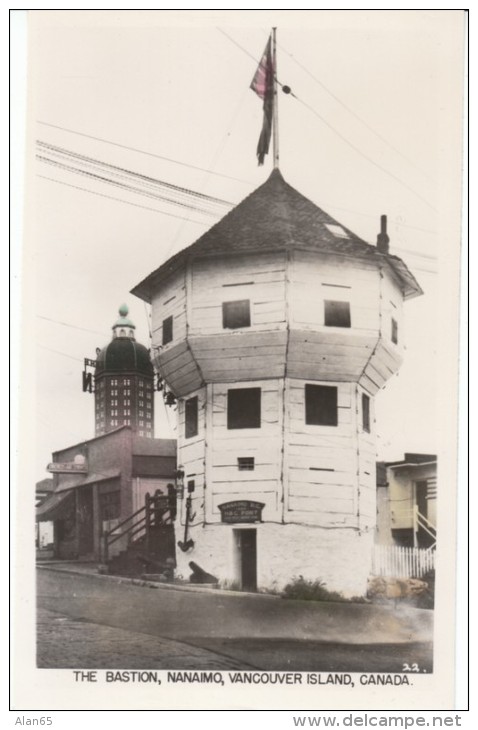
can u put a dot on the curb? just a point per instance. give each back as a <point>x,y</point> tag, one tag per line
<point>153,584</point>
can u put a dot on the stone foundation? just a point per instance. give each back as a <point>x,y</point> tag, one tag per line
<point>341,558</point>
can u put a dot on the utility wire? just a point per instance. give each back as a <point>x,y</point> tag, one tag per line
<point>362,154</point>
<point>341,136</point>
<point>57,352</point>
<point>351,111</point>
<point>143,152</point>
<point>162,212</point>
<point>119,200</point>
<point>184,192</point>
<point>141,177</point>
<point>122,186</point>
<point>73,326</point>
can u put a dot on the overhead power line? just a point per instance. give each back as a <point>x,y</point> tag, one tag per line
<point>73,326</point>
<point>123,186</point>
<point>351,111</point>
<point>61,151</point>
<point>143,152</point>
<point>119,200</point>
<point>339,134</point>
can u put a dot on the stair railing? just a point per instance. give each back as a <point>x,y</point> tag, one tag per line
<point>140,521</point>
<point>422,522</point>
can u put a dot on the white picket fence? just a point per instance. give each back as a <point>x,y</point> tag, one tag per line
<point>393,561</point>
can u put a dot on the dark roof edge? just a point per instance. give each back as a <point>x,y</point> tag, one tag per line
<point>411,287</point>
<point>95,438</point>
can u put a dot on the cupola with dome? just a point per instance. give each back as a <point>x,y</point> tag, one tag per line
<point>124,382</point>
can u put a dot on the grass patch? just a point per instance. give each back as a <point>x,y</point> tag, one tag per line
<point>302,589</point>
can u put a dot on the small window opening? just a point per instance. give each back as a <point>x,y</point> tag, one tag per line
<point>321,405</point>
<point>244,408</point>
<point>365,412</point>
<point>394,331</point>
<point>167,330</point>
<point>336,314</point>
<point>191,415</point>
<point>245,463</point>
<point>236,314</point>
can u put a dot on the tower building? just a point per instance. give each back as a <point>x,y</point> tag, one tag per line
<point>275,330</point>
<point>124,382</point>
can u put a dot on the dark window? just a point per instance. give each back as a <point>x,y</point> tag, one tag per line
<point>191,417</point>
<point>365,412</point>
<point>321,405</point>
<point>191,486</point>
<point>336,314</point>
<point>394,331</point>
<point>167,330</point>
<point>236,314</point>
<point>244,408</point>
<point>245,463</point>
<point>110,505</point>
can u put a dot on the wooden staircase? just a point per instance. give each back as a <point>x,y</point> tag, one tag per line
<point>146,539</point>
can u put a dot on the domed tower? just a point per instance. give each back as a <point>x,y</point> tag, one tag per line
<point>275,330</point>
<point>124,382</point>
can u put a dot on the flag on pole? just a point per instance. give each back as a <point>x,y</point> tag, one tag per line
<point>263,85</point>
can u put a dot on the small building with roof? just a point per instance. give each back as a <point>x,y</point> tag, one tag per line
<point>275,330</point>
<point>406,508</point>
<point>99,483</point>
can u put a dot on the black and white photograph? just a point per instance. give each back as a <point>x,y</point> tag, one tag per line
<point>239,359</point>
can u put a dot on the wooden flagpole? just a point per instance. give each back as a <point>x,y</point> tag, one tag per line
<point>275,110</point>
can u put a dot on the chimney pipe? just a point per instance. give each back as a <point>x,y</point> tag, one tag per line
<point>382,239</point>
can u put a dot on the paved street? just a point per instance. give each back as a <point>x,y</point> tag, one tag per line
<point>87,621</point>
<point>65,642</point>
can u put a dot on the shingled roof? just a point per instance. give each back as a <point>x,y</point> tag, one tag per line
<point>275,217</point>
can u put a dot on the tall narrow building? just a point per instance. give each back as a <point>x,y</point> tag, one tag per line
<point>275,330</point>
<point>124,382</point>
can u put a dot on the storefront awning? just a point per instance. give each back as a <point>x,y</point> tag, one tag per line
<point>55,506</point>
<point>92,478</point>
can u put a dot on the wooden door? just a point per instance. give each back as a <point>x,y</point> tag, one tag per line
<point>248,557</point>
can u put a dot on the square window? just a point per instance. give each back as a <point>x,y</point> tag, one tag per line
<point>336,314</point>
<point>244,408</point>
<point>167,330</point>
<point>191,417</point>
<point>236,314</point>
<point>245,463</point>
<point>365,412</point>
<point>321,405</point>
<point>394,331</point>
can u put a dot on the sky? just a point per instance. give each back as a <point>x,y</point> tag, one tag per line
<point>374,127</point>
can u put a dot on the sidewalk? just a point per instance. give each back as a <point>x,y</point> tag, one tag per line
<point>219,613</point>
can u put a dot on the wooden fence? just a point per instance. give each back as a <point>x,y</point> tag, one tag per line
<point>402,562</point>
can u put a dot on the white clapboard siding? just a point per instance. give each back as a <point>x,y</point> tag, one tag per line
<point>341,509</point>
<point>231,472</point>
<point>316,278</point>
<point>324,491</point>
<point>312,476</point>
<point>259,278</point>
<point>225,452</point>
<point>322,458</point>
<point>169,301</point>
<point>265,486</point>
<point>391,306</point>
<point>332,440</point>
